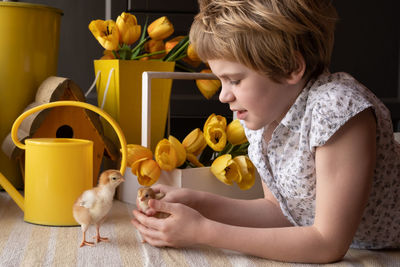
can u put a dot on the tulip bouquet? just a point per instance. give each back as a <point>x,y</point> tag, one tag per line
<point>124,39</point>
<point>221,146</point>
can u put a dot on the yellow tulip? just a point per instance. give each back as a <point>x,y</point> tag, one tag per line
<point>192,54</point>
<point>225,169</point>
<point>208,87</point>
<point>160,29</point>
<point>106,33</point>
<point>172,43</point>
<point>192,58</point>
<point>166,155</point>
<point>128,28</point>
<point>215,119</point>
<point>194,142</point>
<point>247,172</point>
<point>148,173</point>
<point>235,133</point>
<point>193,159</point>
<point>191,62</point>
<point>154,46</point>
<point>136,152</point>
<point>180,150</point>
<point>107,54</point>
<point>135,167</point>
<point>105,57</point>
<point>215,136</point>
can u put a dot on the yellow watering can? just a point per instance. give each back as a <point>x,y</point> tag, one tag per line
<point>57,170</point>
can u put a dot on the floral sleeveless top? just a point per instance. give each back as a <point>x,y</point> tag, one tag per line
<point>287,163</point>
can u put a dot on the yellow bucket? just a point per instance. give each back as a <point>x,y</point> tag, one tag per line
<point>28,55</point>
<point>122,98</point>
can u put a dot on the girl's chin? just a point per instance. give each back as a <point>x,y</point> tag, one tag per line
<point>252,126</point>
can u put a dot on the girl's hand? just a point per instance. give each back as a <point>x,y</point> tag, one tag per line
<point>172,194</point>
<point>178,230</point>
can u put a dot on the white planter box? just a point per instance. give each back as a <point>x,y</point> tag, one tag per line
<point>195,178</point>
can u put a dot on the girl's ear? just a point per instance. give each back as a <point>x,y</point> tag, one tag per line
<point>297,74</point>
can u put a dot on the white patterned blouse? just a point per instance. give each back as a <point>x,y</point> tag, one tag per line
<point>287,163</point>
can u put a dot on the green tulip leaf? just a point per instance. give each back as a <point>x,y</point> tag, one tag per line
<point>177,50</point>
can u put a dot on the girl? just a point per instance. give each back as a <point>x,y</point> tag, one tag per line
<point>322,143</point>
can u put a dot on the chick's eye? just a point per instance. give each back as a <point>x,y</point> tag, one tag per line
<point>114,178</point>
<point>147,195</point>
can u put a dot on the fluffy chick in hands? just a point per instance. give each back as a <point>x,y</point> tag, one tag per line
<point>142,201</point>
<point>94,204</point>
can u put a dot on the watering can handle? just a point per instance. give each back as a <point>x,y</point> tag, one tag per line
<point>106,116</point>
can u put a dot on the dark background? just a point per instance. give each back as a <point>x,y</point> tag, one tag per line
<point>366,46</point>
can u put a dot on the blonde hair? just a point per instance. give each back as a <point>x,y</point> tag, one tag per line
<point>266,35</point>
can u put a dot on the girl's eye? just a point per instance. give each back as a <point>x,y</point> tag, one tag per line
<point>235,82</point>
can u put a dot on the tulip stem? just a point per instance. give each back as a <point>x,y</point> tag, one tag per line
<point>180,57</point>
<point>175,56</point>
<point>183,67</point>
<point>150,54</point>
<point>240,150</point>
<point>206,156</point>
<point>114,53</point>
<point>190,164</point>
<point>177,49</point>
<point>227,149</point>
<point>137,47</point>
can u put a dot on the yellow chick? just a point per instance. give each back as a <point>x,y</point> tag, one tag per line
<point>142,201</point>
<point>94,204</point>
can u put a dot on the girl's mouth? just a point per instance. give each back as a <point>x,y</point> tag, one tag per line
<point>241,114</point>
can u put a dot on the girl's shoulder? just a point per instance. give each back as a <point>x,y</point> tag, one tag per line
<point>332,100</point>
<point>340,96</point>
<point>336,90</point>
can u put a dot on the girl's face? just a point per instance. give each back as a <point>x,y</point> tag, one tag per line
<point>257,99</point>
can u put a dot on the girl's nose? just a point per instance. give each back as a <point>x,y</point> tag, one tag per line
<point>226,95</point>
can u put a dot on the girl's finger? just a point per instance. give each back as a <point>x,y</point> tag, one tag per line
<point>159,188</point>
<point>150,222</point>
<point>146,233</point>
<point>156,188</point>
<point>150,212</point>
<point>163,206</point>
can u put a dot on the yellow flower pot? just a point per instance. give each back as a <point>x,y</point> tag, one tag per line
<point>28,55</point>
<point>123,97</point>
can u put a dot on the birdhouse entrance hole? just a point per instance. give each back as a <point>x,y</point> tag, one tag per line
<point>65,131</point>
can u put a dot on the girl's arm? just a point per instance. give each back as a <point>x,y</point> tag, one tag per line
<point>344,172</point>
<point>263,212</point>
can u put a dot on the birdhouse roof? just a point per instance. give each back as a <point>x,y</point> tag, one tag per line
<point>54,89</point>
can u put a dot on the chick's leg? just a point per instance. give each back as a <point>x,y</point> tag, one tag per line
<point>84,242</point>
<point>98,237</point>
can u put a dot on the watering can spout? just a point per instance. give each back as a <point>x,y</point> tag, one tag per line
<point>10,189</point>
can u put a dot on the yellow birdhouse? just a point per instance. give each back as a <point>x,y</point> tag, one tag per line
<point>62,122</point>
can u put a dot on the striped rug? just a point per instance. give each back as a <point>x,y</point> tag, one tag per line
<point>24,244</point>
